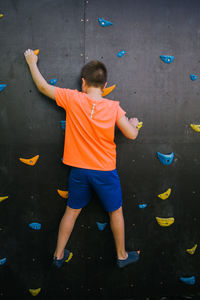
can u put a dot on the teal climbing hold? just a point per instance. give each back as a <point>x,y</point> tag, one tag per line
<point>167,58</point>
<point>101,226</point>
<point>165,159</point>
<point>121,53</point>
<point>188,280</point>
<point>104,23</point>
<point>36,226</point>
<point>193,77</point>
<point>53,81</point>
<point>63,123</point>
<point>2,261</point>
<point>143,205</point>
<point>2,87</point>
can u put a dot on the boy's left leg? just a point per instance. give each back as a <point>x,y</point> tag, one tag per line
<point>66,226</point>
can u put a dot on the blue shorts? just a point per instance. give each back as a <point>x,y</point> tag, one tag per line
<point>105,183</point>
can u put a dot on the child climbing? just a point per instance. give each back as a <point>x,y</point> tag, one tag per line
<point>90,151</point>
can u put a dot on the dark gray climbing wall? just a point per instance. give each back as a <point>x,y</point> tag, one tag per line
<point>161,95</point>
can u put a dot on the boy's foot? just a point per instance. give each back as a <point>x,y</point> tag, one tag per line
<point>133,256</point>
<point>59,262</point>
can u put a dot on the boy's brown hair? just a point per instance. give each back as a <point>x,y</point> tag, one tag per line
<point>94,73</point>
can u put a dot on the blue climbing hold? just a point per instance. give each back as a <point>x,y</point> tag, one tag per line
<point>167,59</point>
<point>63,123</point>
<point>101,226</point>
<point>165,159</point>
<point>142,205</point>
<point>53,81</point>
<point>188,280</point>
<point>36,226</point>
<point>121,53</point>
<point>2,261</point>
<point>2,87</point>
<point>62,159</point>
<point>193,77</point>
<point>104,23</point>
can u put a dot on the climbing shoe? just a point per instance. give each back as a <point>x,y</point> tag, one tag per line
<point>59,262</point>
<point>133,256</point>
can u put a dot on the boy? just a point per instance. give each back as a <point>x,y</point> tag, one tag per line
<point>90,151</point>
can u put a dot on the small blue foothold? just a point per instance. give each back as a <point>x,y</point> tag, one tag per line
<point>53,81</point>
<point>188,280</point>
<point>165,159</point>
<point>142,205</point>
<point>35,226</point>
<point>167,59</point>
<point>63,123</point>
<point>101,226</point>
<point>104,23</point>
<point>2,261</point>
<point>62,159</point>
<point>121,53</point>
<point>193,77</point>
<point>2,87</point>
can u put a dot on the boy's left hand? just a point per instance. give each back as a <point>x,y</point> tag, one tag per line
<point>30,57</point>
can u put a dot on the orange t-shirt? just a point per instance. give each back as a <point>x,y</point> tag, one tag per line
<point>89,130</point>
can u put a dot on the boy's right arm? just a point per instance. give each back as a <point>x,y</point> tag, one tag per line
<point>128,127</point>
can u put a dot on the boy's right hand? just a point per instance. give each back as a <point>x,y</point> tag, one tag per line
<point>133,121</point>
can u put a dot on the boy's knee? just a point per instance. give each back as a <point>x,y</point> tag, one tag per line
<point>116,212</point>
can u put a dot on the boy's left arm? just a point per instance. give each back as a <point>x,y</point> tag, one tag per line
<point>39,80</point>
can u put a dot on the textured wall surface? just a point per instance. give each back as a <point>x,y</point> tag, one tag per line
<point>163,96</point>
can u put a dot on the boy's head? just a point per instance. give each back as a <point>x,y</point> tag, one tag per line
<point>94,74</point>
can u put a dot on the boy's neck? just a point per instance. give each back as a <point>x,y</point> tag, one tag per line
<point>94,93</point>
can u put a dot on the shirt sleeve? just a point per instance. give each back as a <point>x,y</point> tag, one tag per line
<point>63,97</point>
<point>120,113</point>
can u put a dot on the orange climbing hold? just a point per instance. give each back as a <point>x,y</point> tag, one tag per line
<point>108,90</point>
<point>30,161</point>
<point>36,51</point>
<point>63,194</point>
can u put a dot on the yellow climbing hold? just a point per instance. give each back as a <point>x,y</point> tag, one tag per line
<point>30,161</point>
<point>164,222</point>
<point>70,257</point>
<point>165,195</point>
<point>192,250</point>
<point>3,198</point>
<point>34,292</point>
<point>139,125</point>
<point>1,16</point>
<point>108,90</point>
<point>196,127</point>
<point>36,51</point>
<point>63,194</point>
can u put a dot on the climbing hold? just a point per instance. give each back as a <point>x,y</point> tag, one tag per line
<point>165,195</point>
<point>196,127</point>
<point>2,261</point>
<point>2,87</point>
<point>70,257</point>
<point>53,81</point>
<point>30,161</point>
<point>165,159</point>
<point>101,226</point>
<point>121,53</point>
<point>34,292</point>
<point>188,280</point>
<point>167,58</point>
<point>3,198</point>
<point>192,250</point>
<point>108,90</point>
<point>63,194</point>
<point>1,16</point>
<point>36,226</point>
<point>193,77</point>
<point>63,123</point>
<point>104,23</point>
<point>142,205</point>
<point>139,125</point>
<point>164,222</point>
<point>36,51</point>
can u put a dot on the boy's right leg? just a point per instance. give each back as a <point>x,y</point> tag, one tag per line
<point>66,226</point>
